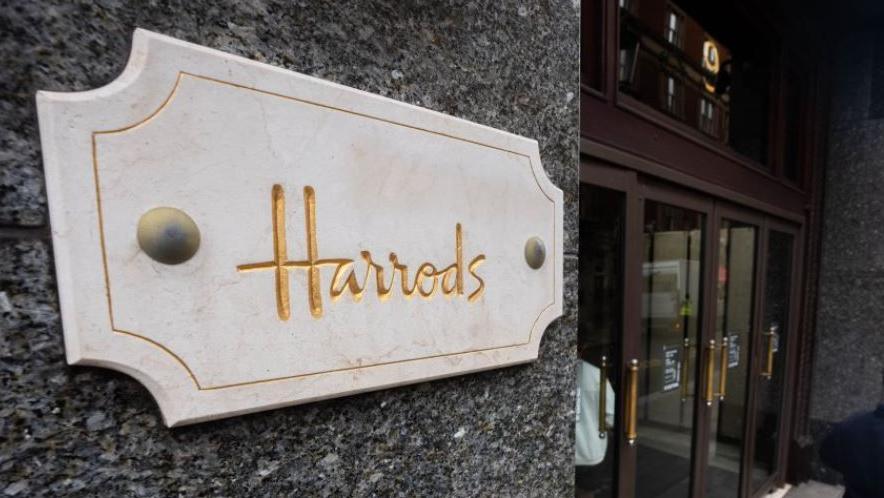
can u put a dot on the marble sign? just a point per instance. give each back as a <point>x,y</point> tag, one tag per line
<point>239,237</point>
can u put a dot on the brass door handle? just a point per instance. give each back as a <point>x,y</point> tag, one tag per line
<point>772,336</point>
<point>722,369</point>
<point>603,398</point>
<point>710,372</point>
<point>632,402</point>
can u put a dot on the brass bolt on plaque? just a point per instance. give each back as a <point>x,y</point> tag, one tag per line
<point>168,235</point>
<point>535,252</point>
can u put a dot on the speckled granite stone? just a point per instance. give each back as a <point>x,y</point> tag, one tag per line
<point>848,366</point>
<point>78,431</point>
<point>508,65</point>
<point>84,432</point>
<point>853,232</point>
<point>849,360</point>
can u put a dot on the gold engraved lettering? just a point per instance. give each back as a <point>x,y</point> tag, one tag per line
<point>403,276</point>
<point>425,270</point>
<point>476,294</point>
<point>282,266</point>
<point>277,210</point>
<point>455,268</point>
<point>447,287</point>
<point>383,290</point>
<point>345,279</point>
<point>337,288</point>
<point>450,279</point>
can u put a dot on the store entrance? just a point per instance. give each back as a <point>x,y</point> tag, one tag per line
<point>685,315</point>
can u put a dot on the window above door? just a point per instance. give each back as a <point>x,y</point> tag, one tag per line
<point>671,62</point>
<point>723,76</point>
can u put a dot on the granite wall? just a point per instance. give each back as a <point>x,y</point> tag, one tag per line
<point>83,432</point>
<point>849,344</point>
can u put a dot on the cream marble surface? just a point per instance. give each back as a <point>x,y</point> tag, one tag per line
<point>211,134</point>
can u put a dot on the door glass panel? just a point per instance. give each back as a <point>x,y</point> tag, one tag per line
<point>670,329</point>
<point>734,311</point>
<point>600,316</point>
<point>769,403</point>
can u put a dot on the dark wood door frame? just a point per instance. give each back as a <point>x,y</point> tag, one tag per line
<point>778,477</point>
<point>653,190</point>
<point>637,191</point>
<point>621,180</point>
<point>636,181</point>
<point>730,211</point>
<point>631,161</point>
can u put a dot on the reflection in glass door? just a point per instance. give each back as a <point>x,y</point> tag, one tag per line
<point>775,324</point>
<point>681,342</point>
<point>668,348</point>
<point>735,299</point>
<point>602,227</point>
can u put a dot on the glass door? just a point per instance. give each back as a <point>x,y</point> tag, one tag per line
<point>644,267</point>
<point>770,412</point>
<point>670,344</point>
<point>685,307</point>
<point>604,214</point>
<point>736,286</point>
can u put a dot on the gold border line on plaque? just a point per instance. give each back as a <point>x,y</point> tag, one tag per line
<point>168,100</point>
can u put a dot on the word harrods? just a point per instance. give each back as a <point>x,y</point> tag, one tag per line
<point>450,280</point>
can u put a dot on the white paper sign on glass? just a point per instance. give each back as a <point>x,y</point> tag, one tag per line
<point>348,242</point>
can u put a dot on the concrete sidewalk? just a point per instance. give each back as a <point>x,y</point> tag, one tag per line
<point>814,489</point>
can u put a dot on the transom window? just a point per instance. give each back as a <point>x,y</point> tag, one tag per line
<point>716,83</point>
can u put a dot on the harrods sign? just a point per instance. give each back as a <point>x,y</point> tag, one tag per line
<point>239,237</point>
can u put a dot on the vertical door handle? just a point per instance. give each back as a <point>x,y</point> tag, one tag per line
<point>603,398</point>
<point>632,402</point>
<point>685,368</point>
<point>722,369</point>
<point>710,372</point>
<point>772,337</point>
